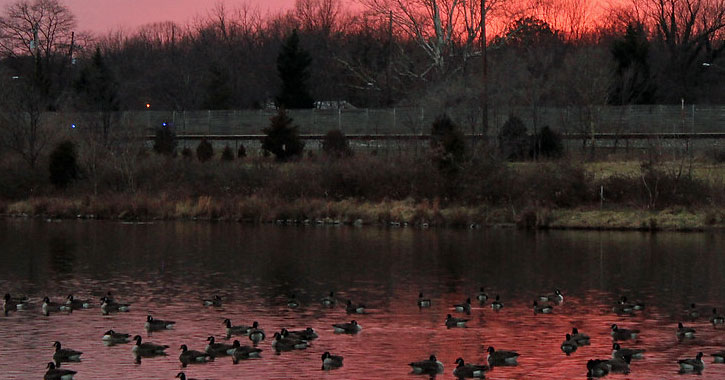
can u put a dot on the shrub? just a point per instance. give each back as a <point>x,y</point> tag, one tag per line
<point>447,144</point>
<point>549,144</point>
<point>227,154</point>
<point>63,164</point>
<point>187,152</point>
<point>282,138</point>
<point>204,152</point>
<point>242,151</point>
<point>513,139</point>
<point>335,144</point>
<point>165,141</point>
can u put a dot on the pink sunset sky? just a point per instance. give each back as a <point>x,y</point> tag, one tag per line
<point>100,16</point>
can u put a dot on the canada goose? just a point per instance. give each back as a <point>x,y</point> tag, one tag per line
<point>629,305</point>
<point>157,324</point>
<point>621,307</point>
<point>306,334</point>
<point>347,328</point>
<point>235,330</point>
<point>464,370</point>
<point>464,307</point>
<point>215,301</point>
<point>218,349</point>
<point>693,313</point>
<point>684,332</point>
<point>501,358</point>
<point>57,374</point>
<point>110,306</point>
<point>188,356</point>
<point>76,304</point>
<point>452,321</point>
<point>569,345</point>
<point>244,352</point>
<point>113,337</point>
<point>15,303</point>
<point>147,349</point>
<point>292,302</point>
<point>281,343</point>
<point>423,302</point>
<point>330,361</point>
<point>354,309</point>
<point>597,368</point>
<point>65,354</point>
<point>182,376</point>
<point>556,297</point>
<point>481,296</point>
<point>619,364</point>
<point>634,353</point>
<point>329,300</point>
<point>49,306</point>
<point>623,334</point>
<point>718,357</point>
<point>256,334</point>
<point>716,319</point>
<point>546,309</point>
<point>431,366</point>
<point>695,365</point>
<point>497,304</point>
<point>580,339</point>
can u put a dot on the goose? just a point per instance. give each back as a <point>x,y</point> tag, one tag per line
<point>718,357</point>
<point>619,364</point>
<point>546,309</point>
<point>623,334</point>
<point>423,302</point>
<point>464,370</point>
<point>256,334</point>
<point>76,304</point>
<point>634,353</point>
<point>157,324</point>
<point>716,319</point>
<point>452,321</point>
<point>684,332</point>
<point>57,374</point>
<point>501,358</point>
<point>330,361</point>
<point>347,328</point>
<point>597,368</point>
<point>216,301</point>
<point>693,313</point>
<point>431,366</point>
<point>281,343</point>
<point>65,354</point>
<point>634,306</point>
<point>113,337</point>
<point>182,376</point>
<point>306,334</point>
<point>188,356</point>
<point>692,365</point>
<point>49,306</point>
<point>218,349</point>
<point>464,307</point>
<point>329,300</point>
<point>244,352</point>
<point>110,306</point>
<point>556,297</point>
<point>569,345</point>
<point>147,349</point>
<point>354,309</point>
<point>235,330</point>
<point>497,304</point>
<point>481,296</point>
<point>14,303</point>
<point>580,339</point>
<point>622,307</point>
<point>292,302</point>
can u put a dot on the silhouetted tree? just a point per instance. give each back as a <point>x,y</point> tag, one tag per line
<point>63,164</point>
<point>282,138</point>
<point>335,144</point>
<point>98,91</point>
<point>227,154</point>
<point>513,139</point>
<point>204,151</point>
<point>292,66</point>
<point>631,53</point>
<point>165,141</point>
<point>447,144</point>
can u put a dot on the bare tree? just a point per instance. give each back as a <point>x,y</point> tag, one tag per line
<point>48,24</point>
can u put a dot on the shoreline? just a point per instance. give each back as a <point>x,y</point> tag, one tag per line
<point>406,213</point>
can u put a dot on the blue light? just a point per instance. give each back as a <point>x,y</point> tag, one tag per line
<point>164,124</point>
<point>72,125</point>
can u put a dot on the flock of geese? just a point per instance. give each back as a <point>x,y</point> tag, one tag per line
<point>287,340</point>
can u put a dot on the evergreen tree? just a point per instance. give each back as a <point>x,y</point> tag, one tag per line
<point>447,144</point>
<point>335,144</point>
<point>282,138</point>
<point>293,63</point>
<point>513,139</point>
<point>98,90</point>
<point>204,151</point>
<point>165,141</point>
<point>63,164</point>
<point>218,91</point>
<point>631,54</point>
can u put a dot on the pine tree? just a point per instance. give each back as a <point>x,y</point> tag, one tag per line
<point>98,90</point>
<point>293,63</point>
<point>282,138</point>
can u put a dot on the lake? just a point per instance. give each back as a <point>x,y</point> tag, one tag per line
<point>166,269</point>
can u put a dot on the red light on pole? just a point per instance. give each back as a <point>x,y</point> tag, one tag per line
<point>148,105</point>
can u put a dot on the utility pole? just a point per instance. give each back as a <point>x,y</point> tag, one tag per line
<point>388,73</point>
<point>484,94</point>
